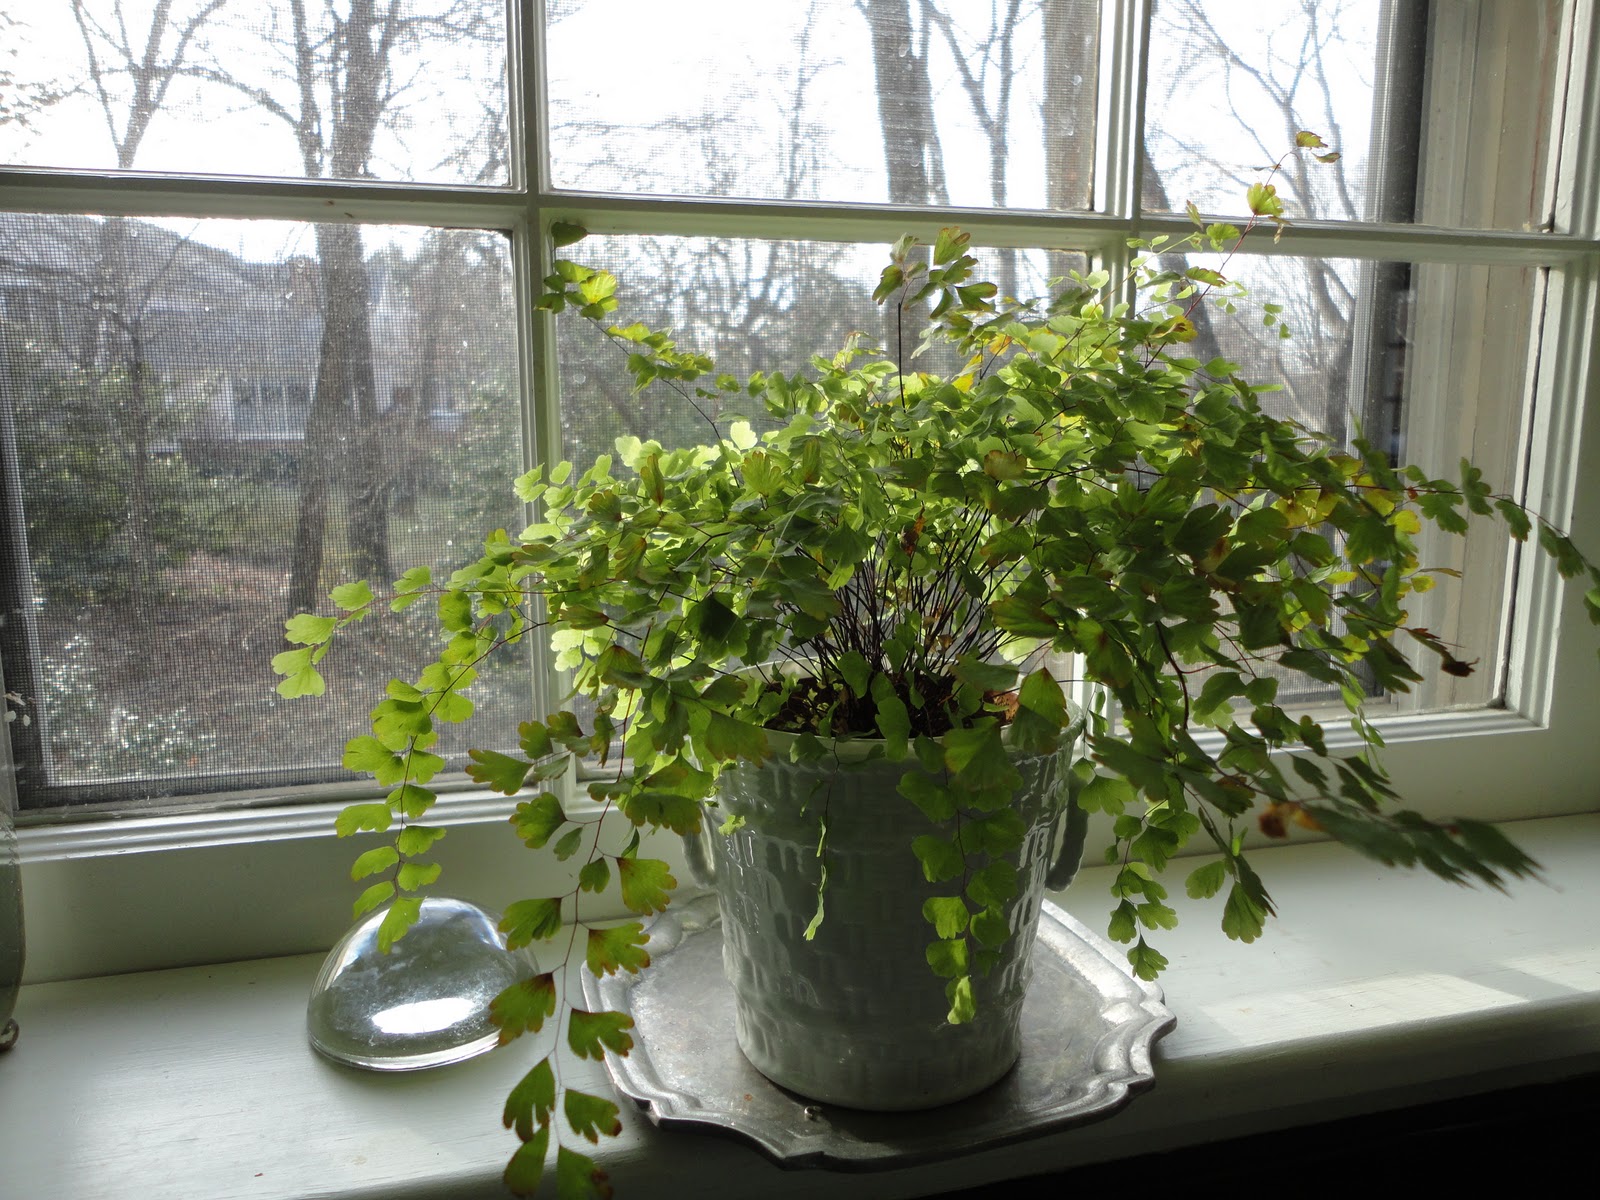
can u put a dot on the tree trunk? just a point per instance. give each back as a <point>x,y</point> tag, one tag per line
<point>1071,101</point>
<point>342,424</point>
<point>911,149</point>
<point>343,421</point>
<point>113,342</point>
<point>112,347</point>
<point>140,527</point>
<point>905,107</point>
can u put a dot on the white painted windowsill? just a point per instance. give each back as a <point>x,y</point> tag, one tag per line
<point>1374,989</point>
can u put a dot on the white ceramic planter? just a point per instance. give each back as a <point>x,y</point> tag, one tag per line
<point>856,1017</point>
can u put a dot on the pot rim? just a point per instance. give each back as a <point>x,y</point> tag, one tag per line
<point>851,751</point>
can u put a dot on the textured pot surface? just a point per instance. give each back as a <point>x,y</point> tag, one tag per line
<point>856,1016</point>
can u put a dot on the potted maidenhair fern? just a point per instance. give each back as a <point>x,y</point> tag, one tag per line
<point>831,646</point>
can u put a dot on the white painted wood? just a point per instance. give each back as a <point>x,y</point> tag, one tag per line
<point>1374,989</point>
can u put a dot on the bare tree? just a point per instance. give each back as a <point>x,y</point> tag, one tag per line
<point>664,147</point>
<point>987,71</point>
<point>801,155</point>
<point>1071,100</point>
<point>1284,83</point>
<point>131,77</point>
<point>103,508</point>
<point>449,340</point>
<point>911,150</point>
<point>20,99</point>
<point>149,66</point>
<point>749,303</point>
<point>1019,65</point>
<point>345,72</point>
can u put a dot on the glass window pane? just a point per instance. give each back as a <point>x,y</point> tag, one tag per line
<point>207,425</point>
<point>1430,363</point>
<point>909,101</point>
<point>402,90</point>
<point>1442,114</point>
<point>752,306</point>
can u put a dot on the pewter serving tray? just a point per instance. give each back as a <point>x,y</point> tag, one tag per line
<point>1087,1029</point>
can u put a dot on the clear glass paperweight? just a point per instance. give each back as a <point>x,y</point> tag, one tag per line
<point>426,1002</point>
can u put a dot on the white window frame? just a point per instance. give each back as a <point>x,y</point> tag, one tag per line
<point>261,877</point>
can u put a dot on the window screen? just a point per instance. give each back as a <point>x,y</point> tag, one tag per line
<point>208,424</point>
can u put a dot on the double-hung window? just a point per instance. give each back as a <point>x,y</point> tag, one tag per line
<point>266,326</point>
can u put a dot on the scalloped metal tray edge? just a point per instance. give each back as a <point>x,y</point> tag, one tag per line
<point>1088,1029</point>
